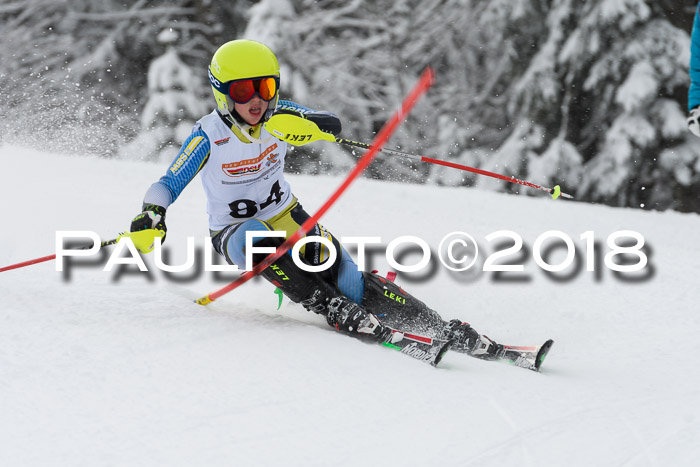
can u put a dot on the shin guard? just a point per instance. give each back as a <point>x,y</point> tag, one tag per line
<point>398,309</point>
<point>304,287</point>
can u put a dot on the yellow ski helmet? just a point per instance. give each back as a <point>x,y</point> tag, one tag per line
<point>240,60</point>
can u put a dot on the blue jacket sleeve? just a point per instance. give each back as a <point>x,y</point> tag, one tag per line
<point>694,89</point>
<point>192,156</point>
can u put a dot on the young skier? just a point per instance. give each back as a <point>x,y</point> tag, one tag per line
<point>241,167</point>
<point>694,71</point>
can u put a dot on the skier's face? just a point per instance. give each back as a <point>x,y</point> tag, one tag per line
<point>252,111</point>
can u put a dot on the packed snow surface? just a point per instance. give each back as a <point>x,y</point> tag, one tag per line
<point>123,368</point>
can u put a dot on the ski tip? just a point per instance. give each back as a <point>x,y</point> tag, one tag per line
<point>542,354</point>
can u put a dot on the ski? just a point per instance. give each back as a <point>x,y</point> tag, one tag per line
<point>425,349</point>
<point>530,358</point>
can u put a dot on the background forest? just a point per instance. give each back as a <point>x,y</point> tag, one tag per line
<point>590,95</point>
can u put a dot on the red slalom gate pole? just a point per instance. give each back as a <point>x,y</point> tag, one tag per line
<point>424,82</point>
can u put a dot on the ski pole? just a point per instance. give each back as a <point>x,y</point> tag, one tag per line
<point>299,131</point>
<point>424,82</point>
<point>142,241</point>
<point>555,192</point>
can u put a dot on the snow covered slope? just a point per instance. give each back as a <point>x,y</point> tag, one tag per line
<point>106,369</point>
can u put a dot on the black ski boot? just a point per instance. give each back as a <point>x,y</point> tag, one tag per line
<point>346,315</point>
<point>312,292</point>
<point>468,341</point>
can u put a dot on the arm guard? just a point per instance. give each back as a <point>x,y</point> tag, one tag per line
<point>326,121</point>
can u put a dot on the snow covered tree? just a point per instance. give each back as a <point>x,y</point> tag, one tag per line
<point>73,74</point>
<point>625,63</point>
<point>175,101</point>
<point>589,95</point>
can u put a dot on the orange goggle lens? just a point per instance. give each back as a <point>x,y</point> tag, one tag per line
<point>243,90</point>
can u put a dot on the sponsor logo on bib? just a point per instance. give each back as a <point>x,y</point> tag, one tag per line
<point>251,166</point>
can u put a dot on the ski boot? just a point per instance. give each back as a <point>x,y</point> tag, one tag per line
<point>467,340</point>
<point>346,315</point>
<point>349,317</point>
<point>312,292</point>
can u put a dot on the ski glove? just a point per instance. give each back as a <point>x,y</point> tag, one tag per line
<point>152,217</point>
<point>694,121</point>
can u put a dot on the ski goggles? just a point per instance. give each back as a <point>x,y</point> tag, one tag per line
<point>243,90</point>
